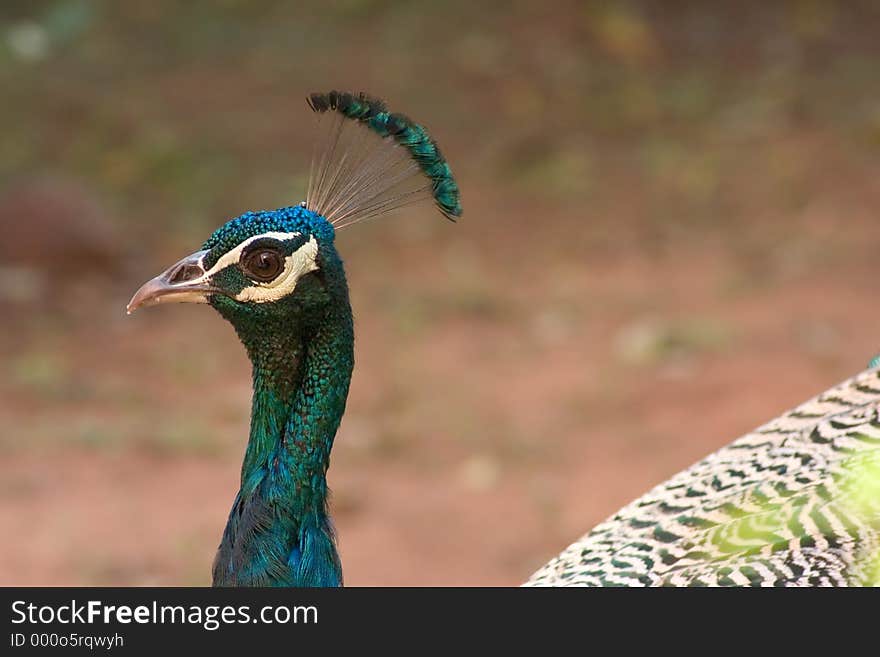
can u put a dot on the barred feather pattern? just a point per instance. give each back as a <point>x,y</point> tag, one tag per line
<point>780,506</point>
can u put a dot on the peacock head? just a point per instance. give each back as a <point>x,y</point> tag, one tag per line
<point>257,269</point>
<point>282,265</point>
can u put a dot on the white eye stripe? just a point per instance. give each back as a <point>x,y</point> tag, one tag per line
<point>296,265</point>
<point>233,256</point>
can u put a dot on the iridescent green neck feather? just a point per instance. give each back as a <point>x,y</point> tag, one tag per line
<point>279,532</point>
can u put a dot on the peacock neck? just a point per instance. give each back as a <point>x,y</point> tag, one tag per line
<point>279,532</point>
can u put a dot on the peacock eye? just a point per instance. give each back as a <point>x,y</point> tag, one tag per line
<point>262,264</point>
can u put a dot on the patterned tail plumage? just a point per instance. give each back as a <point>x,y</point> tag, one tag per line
<point>795,503</point>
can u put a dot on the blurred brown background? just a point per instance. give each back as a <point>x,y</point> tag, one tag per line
<point>670,236</point>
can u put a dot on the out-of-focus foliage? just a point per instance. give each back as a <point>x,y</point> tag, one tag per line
<point>176,109</point>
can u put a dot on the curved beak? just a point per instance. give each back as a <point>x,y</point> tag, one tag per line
<point>184,282</point>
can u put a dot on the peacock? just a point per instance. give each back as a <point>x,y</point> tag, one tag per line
<point>796,502</point>
<point>277,277</point>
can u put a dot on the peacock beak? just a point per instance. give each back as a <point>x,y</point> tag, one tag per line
<point>185,281</point>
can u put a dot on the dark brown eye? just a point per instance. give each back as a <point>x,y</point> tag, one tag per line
<point>263,264</point>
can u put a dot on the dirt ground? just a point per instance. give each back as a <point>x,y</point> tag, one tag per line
<point>685,248</point>
<point>531,420</point>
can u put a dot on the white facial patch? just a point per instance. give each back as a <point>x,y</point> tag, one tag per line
<point>296,265</point>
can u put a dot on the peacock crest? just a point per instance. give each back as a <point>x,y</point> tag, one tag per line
<point>277,277</point>
<point>369,161</point>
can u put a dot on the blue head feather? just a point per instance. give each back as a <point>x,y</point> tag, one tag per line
<point>296,218</point>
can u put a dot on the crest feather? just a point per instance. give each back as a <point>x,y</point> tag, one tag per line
<point>371,161</point>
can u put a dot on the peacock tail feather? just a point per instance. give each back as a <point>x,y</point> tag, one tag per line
<point>794,503</point>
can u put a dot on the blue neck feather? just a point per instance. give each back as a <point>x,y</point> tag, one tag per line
<point>279,532</point>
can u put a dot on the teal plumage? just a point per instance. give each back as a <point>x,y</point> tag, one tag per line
<point>302,350</point>
<point>277,278</point>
